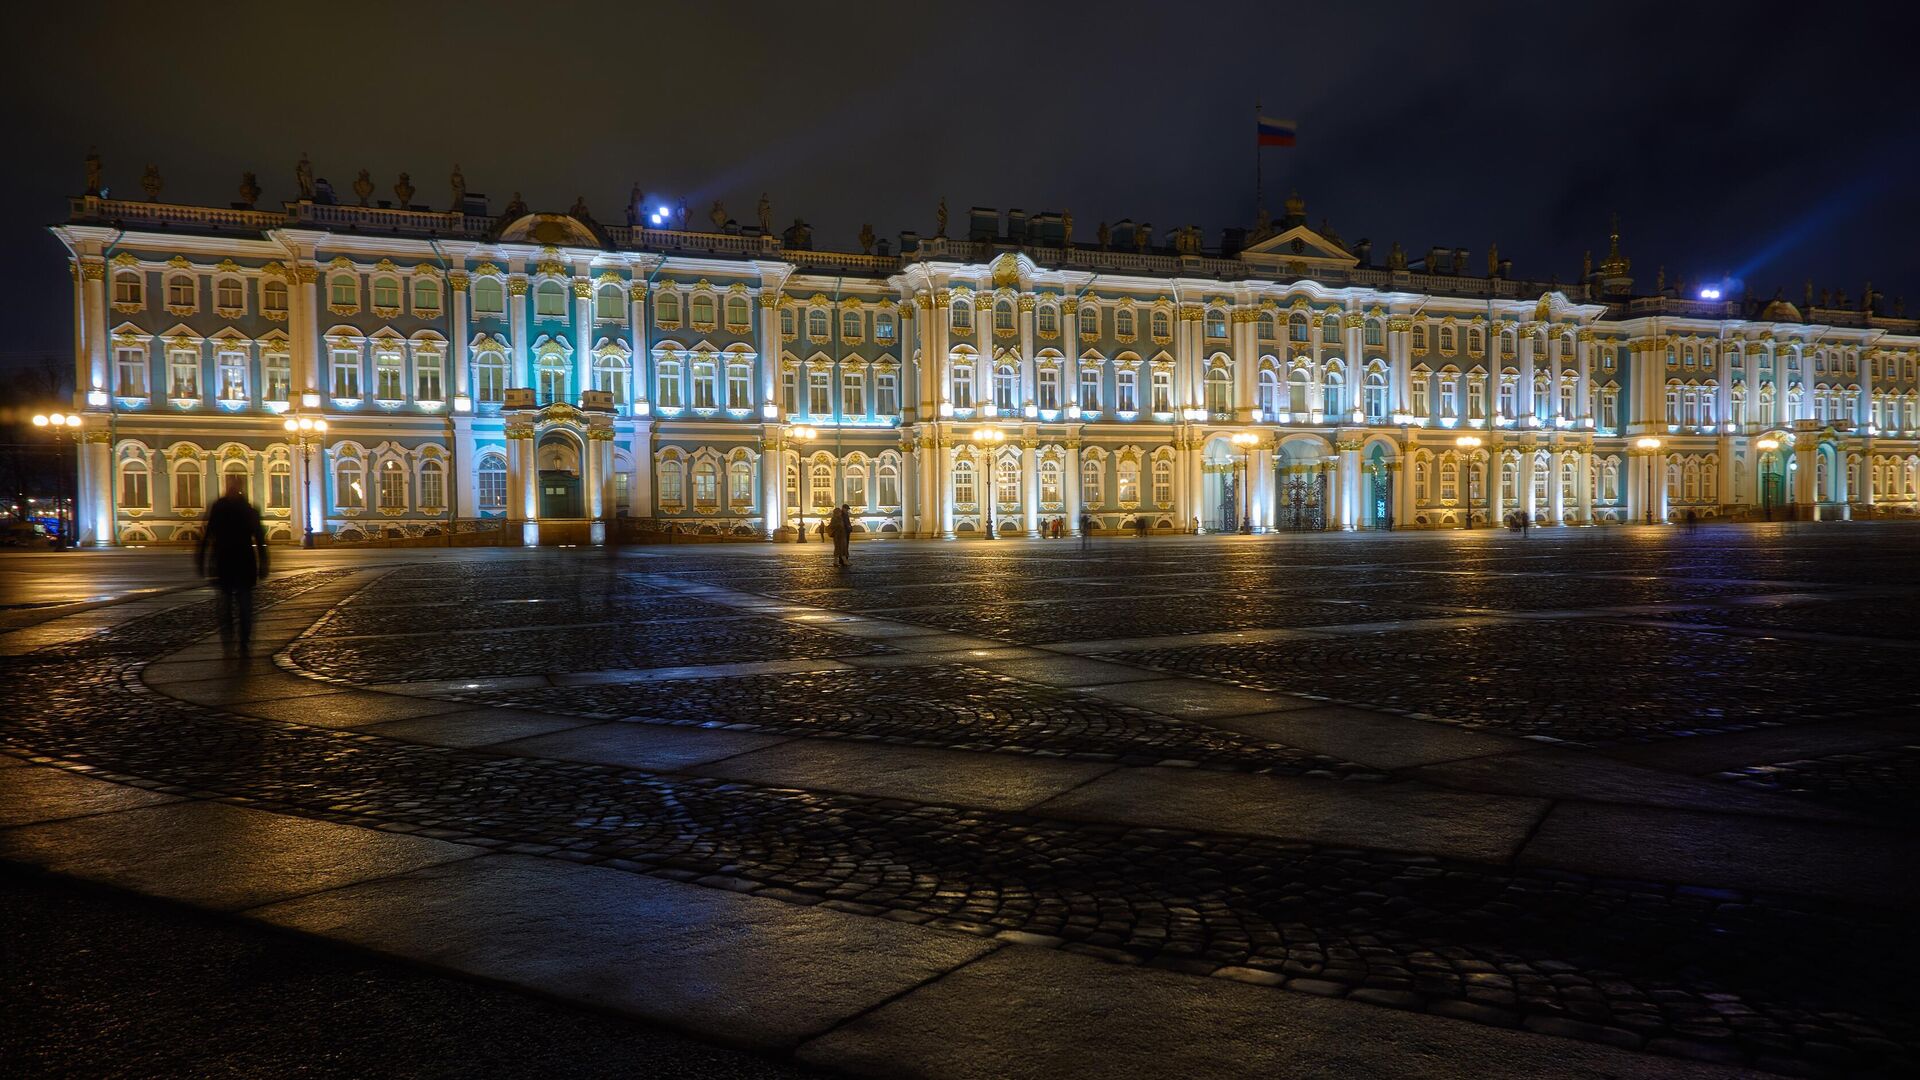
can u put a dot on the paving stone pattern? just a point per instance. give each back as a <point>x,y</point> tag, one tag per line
<point>947,705</point>
<point>1582,681</point>
<point>1882,783</point>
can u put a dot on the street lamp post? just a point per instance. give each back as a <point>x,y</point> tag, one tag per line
<point>1245,440</point>
<point>1470,443</point>
<point>804,434</point>
<point>1651,446</point>
<point>66,429</point>
<point>1766,447</point>
<point>987,438</point>
<point>306,431</point>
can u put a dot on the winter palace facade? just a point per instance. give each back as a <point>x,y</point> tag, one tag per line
<point>546,375</point>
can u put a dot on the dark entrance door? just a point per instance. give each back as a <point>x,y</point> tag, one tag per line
<point>1380,485</point>
<point>559,495</point>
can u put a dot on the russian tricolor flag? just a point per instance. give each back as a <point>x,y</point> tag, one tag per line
<point>1275,132</point>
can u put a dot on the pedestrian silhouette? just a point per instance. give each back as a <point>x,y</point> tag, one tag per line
<point>840,527</point>
<point>233,552</point>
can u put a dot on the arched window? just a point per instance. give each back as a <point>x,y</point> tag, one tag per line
<point>666,309</point>
<point>704,374</point>
<point>1123,322</point>
<point>236,470</point>
<point>348,491</point>
<point>343,291</point>
<point>1216,324</point>
<point>854,480</point>
<point>1006,382</point>
<point>883,325</point>
<point>1376,336</point>
<point>1129,487</point>
<point>230,294</point>
<point>610,374</point>
<point>820,486</point>
<point>1162,326</point>
<point>393,486</point>
<point>850,326</point>
<point>739,315</point>
<point>488,297</point>
<point>1090,477</point>
<point>701,314</point>
<point>1163,483</point>
<point>1446,339</point>
<point>489,375</point>
<point>608,303</point>
<point>1089,320</point>
<point>1449,479</point>
<point>181,291</point>
<point>550,298</point>
<point>739,485</point>
<point>1050,482</point>
<point>492,477</point>
<point>130,289</point>
<point>1003,316</point>
<point>787,330</point>
<point>388,376</point>
<point>1297,328</point>
<point>1269,392</point>
<point>888,489</point>
<point>819,327</point>
<point>273,298</point>
<point>1297,390</point>
<point>1420,337</point>
<point>1422,480</point>
<point>1007,483</point>
<point>706,485</point>
<point>963,493</point>
<point>186,486</point>
<point>279,485</point>
<point>1376,403</point>
<point>426,297</point>
<point>429,375</point>
<point>1330,330</point>
<point>962,384</point>
<point>1219,390</point>
<point>672,483</point>
<point>960,316</point>
<point>550,373</point>
<point>134,491</point>
<point>386,293</point>
<point>1268,331</point>
<point>1046,319</point>
<point>1335,392</point>
<point>433,485</point>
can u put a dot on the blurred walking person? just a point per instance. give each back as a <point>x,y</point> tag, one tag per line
<point>233,552</point>
<point>840,527</point>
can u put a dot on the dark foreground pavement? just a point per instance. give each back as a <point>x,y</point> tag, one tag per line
<point>101,983</point>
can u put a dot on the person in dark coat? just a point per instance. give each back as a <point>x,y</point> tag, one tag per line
<point>840,527</point>
<point>233,552</point>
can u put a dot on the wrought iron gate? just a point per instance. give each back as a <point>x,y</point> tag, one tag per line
<point>1380,496</point>
<point>1303,503</point>
<point>1229,508</point>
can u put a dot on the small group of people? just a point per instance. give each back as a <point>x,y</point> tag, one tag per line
<point>1520,521</point>
<point>839,528</point>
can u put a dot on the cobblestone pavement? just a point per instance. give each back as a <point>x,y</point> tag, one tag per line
<point>947,705</point>
<point>1577,681</point>
<point>1788,983</point>
<point>1883,782</point>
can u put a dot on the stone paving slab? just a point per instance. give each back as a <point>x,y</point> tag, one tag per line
<point>1069,671</point>
<point>1050,1015</point>
<point>1396,817</point>
<point>1378,739</point>
<point>473,727</point>
<point>219,856</point>
<point>351,709</point>
<point>660,747</point>
<point>1195,699</point>
<point>1691,847</point>
<point>264,686</point>
<point>1555,773</point>
<point>742,970</point>
<point>31,794</point>
<point>1704,755</point>
<point>921,774</point>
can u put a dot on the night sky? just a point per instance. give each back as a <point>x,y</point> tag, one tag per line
<point>1732,139</point>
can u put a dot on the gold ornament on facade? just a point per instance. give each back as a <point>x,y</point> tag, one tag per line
<point>516,286</point>
<point>582,289</point>
<point>92,269</point>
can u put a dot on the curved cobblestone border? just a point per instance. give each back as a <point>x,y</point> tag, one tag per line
<point>1698,972</point>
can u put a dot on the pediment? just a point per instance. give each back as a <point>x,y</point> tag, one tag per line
<point>1300,244</point>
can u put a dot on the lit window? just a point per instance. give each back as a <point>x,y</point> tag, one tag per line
<point>134,492</point>
<point>426,297</point>
<point>608,304</point>
<point>386,292</point>
<point>488,297</point>
<point>492,477</point>
<point>550,299</point>
<point>230,294</point>
<point>129,289</point>
<point>273,298</point>
<point>180,291</point>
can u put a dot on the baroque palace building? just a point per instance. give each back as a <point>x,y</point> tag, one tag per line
<point>549,375</point>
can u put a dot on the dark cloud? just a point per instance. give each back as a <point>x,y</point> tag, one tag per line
<point>1724,135</point>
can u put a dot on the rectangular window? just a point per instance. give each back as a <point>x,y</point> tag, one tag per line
<point>433,488</point>
<point>1126,391</point>
<point>183,373</point>
<point>279,487</point>
<point>186,489</point>
<point>1162,391</point>
<point>426,298</point>
<point>490,377</point>
<point>133,487</point>
<point>130,365</point>
<point>739,386</point>
<point>819,393</point>
<point>668,378</point>
<point>1049,389</point>
<point>346,373</point>
<point>790,390</point>
<point>883,328</point>
<point>703,376</point>
<point>389,377</point>
<point>856,485</point>
<point>386,292</point>
<point>230,294</point>
<point>1090,389</point>
<point>428,380</point>
<point>853,395</point>
<point>277,372</point>
<point>1421,397</point>
<point>233,376</point>
<point>886,394</point>
<point>889,486</point>
<point>1005,389</point>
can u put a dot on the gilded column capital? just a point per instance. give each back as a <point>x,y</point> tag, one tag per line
<point>1586,334</point>
<point>1070,306</point>
<point>519,431</point>
<point>1029,443</point>
<point>98,436</point>
<point>1399,324</point>
<point>517,285</point>
<point>599,434</point>
<point>1192,312</point>
<point>582,288</point>
<point>942,300</point>
<point>1025,301</point>
<point>307,274</point>
<point>1354,320</point>
<point>93,269</point>
<point>769,299</point>
<point>457,280</point>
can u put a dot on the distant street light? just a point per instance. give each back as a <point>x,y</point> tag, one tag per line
<point>803,434</point>
<point>1245,440</point>
<point>66,429</point>
<point>1651,446</point>
<point>1470,443</point>
<point>986,438</point>
<point>306,432</point>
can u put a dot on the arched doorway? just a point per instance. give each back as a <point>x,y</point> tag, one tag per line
<point>558,457</point>
<point>1303,485</point>
<point>1376,488</point>
<point>1222,479</point>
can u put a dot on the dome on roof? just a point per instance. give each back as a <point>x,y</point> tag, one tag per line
<point>1780,311</point>
<point>549,230</point>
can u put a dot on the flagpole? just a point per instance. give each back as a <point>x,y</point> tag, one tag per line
<point>1259,182</point>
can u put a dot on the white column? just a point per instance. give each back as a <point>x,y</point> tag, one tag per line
<point>1495,495</point>
<point>1071,481</point>
<point>642,454</point>
<point>1523,476</point>
<point>1029,385</point>
<point>1356,374</point>
<point>1029,483</point>
<point>517,364</point>
<point>466,468</point>
<point>943,457</point>
<point>457,283</point>
<point>770,404</point>
<point>1523,385</point>
<point>583,338</point>
<point>1556,491</point>
<point>1583,386</point>
<point>1399,353</point>
<point>307,344</point>
<point>1349,485</point>
<point>1070,374</point>
<point>1584,476</point>
<point>1246,357</point>
<point>773,486</point>
<point>93,326</point>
